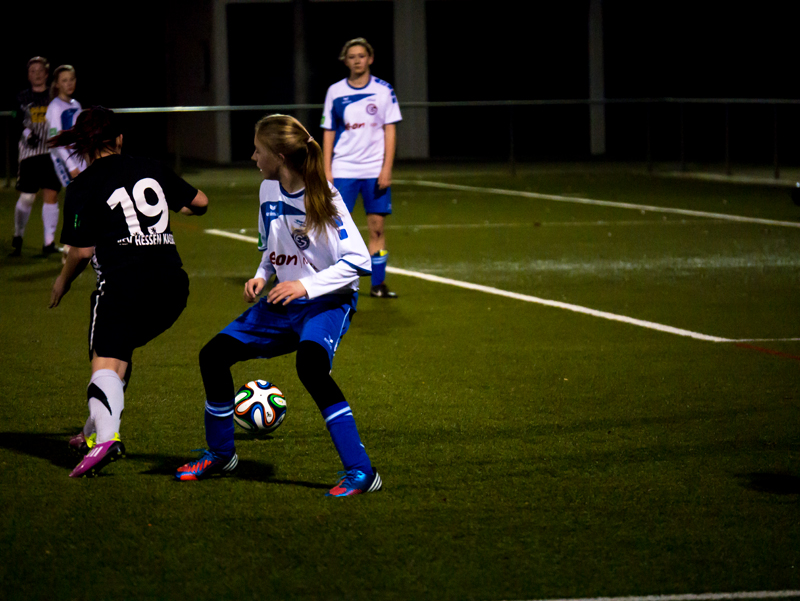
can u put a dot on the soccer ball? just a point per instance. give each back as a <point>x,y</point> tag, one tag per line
<point>259,407</point>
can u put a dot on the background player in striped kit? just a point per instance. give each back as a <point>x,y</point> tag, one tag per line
<point>310,243</point>
<point>116,214</point>
<point>36,170</point>
<point>359,145</point>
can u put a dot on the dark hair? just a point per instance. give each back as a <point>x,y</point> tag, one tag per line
<point>95,131</point>
<point>285,135</point>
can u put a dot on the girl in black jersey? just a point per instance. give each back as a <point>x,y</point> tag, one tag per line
<point>36,170</point>
<point>116,214</point>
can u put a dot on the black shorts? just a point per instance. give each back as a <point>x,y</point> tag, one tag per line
<point>128,312</point>
<point>37,172</point>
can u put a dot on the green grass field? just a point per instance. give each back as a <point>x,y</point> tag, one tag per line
<point>527,451</point>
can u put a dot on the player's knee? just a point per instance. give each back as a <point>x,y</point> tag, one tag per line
<point>218,351</point>
<point>312,363</point>
<point>26,199</point>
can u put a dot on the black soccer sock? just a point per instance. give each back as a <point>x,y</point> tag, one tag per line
<point>314,370</point>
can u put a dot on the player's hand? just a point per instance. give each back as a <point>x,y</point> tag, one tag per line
<point>385,179</point>
<point>286,292</point>
<point>60,288</point>
<point>253,288</point>
<point>32,140</point>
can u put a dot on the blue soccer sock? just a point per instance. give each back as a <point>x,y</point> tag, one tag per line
<point>379,261</point>
<point>342,427</point>
<point>219,429</point>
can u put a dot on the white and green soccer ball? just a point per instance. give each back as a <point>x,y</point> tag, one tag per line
<point>259,407</point>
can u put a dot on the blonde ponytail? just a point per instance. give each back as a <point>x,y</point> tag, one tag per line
<point>285,135</point>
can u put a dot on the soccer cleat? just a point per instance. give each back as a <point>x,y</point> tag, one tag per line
<point>207,465</point>
<point>355,482</point>
<point>382,291</point>
<point>100,456</point>
<point>81,443</point>
<point>16,244</point>
<point>50,249</point>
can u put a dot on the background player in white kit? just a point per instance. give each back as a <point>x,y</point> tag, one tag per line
<point>359,146</point>
<point>61,114</point>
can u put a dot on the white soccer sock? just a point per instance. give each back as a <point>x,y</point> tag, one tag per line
<point>106,402</point>
<point>88,427</point>
<point>22,213</point>
<point>50,220</point>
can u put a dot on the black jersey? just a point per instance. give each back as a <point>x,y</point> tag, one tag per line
<point>120,205</point>
<point>32,110</point>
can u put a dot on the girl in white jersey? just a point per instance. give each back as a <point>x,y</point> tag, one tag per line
<point>359,144</point>
<point>312,247</point>
<point>61,114</point>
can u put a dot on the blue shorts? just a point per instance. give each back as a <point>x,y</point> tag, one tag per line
<point>274,329</point>
<point>376,201</point>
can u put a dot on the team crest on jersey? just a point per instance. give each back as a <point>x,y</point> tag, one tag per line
<point>300,239</point>
<point>372,109</point>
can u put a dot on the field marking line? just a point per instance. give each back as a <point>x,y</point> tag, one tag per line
<point>455,226</point>
<point>527,298</point>
<point>694,597</point>
<point>600,203</point>
<point>225,234</point>
<point>558,304</point>
<point>767,340</point>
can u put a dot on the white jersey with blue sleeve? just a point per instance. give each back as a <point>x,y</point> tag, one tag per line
<point>61,115</point>
<point>358,115</point>
<point>324,264</point>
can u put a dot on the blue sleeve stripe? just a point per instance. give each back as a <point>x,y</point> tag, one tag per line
<point>358,269</point>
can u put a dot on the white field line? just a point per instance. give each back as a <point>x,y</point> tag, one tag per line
<point>599,223</point>
<point>767,340</point>
<point>558,304</point>
<point>471,226</point>
<point>225,234</point>
<point>601,203</point>
<point>695,597</point>
<point>526,298</point>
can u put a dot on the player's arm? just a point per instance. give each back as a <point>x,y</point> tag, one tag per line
<point>353,260</point>
<point>389,148</point>
<point>328,138</point>
<point>21,117</point>
<point>286,292</point>
<point>255,285</point>
<point>198,206</point>
<point>77,260</point>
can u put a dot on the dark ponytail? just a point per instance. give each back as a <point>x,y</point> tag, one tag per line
<point>95,131</point>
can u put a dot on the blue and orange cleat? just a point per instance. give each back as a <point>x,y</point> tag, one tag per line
<point>208,464</point>
<point>355,482</point>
